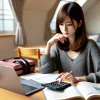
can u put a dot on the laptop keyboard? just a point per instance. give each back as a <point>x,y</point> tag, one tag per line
<point>28,88</point>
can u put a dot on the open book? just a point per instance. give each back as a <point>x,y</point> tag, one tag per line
<point>82,91</point>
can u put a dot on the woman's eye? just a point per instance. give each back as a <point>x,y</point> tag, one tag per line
<point>69,24</point>
<point>61,24</point>
<point>65,24</point>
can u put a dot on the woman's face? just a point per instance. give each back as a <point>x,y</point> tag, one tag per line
<point>67,28</point>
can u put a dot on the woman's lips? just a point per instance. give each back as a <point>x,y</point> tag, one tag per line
<point>65,33</point>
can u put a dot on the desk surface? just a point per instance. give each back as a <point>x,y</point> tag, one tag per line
<point>8,95</point>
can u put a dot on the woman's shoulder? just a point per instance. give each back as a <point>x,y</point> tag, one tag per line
<point>91,43</point>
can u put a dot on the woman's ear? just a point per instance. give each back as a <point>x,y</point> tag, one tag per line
<point>80,23</point>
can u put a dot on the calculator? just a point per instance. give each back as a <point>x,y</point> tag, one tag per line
<point>57,85</point>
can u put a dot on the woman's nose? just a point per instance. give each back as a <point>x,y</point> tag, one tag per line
<point>65,27</point>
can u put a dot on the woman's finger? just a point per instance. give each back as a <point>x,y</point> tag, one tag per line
<point>61,78</point>
<point>60,75</point>
<point>60,37</point>
<point>70,79</point>
<point>65,76</point>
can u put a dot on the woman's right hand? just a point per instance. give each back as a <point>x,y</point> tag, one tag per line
<point>54,39</point>
<point>57,37</point>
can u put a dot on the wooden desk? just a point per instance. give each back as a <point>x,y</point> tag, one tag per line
<point>8,95</point>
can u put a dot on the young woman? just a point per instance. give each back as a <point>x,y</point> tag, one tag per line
<point>70,49</point>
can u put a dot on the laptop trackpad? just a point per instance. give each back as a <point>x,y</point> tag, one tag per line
<point>31,83</point>
<point>28,88</point>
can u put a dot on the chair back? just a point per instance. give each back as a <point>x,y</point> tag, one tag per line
<point>28,52</point>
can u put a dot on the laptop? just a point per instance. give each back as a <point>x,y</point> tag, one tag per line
<point>10,81</point>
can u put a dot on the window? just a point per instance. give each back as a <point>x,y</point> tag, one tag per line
<point>61,3</point>
<point>7,22</point>
<point>53,22</point>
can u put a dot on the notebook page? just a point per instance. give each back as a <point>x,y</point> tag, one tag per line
<point>41,78</point>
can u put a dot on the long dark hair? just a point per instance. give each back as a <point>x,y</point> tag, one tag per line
<point>74,11</point>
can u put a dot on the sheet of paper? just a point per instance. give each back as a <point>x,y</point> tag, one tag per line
<point>41,78</point>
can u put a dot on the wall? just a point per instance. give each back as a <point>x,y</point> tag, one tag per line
<point>7,47</point>
<point>92,17</point>
<point>36,20</point>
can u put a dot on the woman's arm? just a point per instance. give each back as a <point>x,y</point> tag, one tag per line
<point>48,62</point>
<point>94,76</point>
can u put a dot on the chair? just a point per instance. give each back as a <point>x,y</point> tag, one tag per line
<point>28,52</point>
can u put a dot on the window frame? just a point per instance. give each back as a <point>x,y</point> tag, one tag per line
<point>4,32</point>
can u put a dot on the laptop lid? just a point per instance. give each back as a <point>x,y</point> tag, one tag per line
<point>10,81</point>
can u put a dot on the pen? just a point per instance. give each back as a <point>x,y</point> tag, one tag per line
<point>62,73</point>
<point>70,72</point>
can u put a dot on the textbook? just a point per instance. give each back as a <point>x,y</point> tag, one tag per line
<point>82,91</point>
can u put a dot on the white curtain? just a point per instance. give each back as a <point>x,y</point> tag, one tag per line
<point>19,37</point>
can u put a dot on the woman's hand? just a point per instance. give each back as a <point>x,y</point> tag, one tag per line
<point>57,37</point>
<point>54,39</point>
<point>70,77</point>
